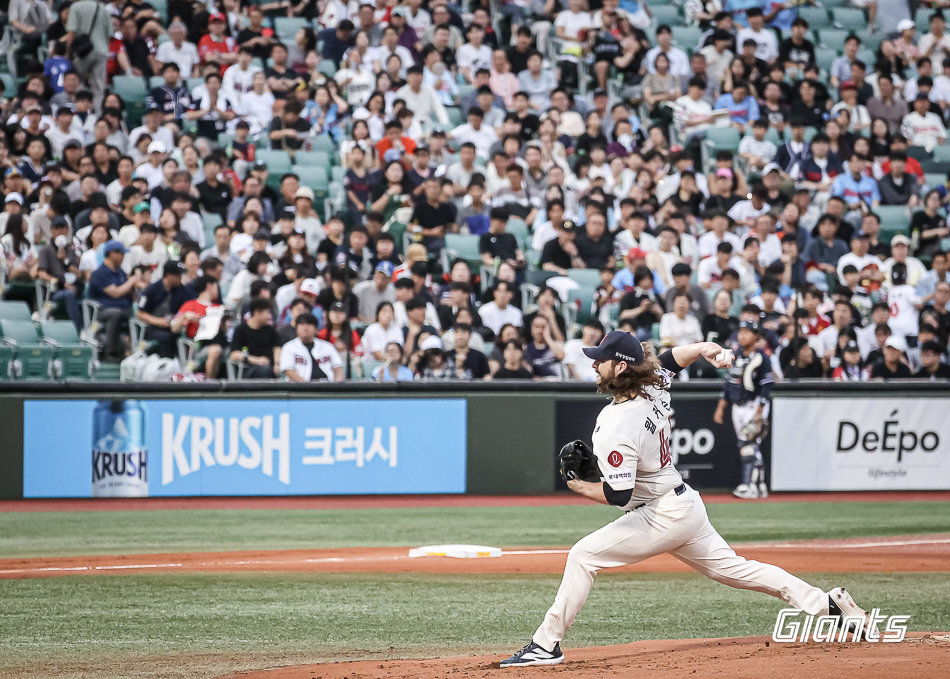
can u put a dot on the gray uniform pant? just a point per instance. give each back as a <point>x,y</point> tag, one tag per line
<point>92,69</point>
<point>672,523</point>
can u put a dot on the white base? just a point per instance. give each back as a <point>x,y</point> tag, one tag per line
<point>456,551</point>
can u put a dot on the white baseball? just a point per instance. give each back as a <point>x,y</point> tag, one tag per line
<point>724,357</point>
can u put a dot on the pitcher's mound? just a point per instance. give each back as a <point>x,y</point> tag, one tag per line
<point>919,655</point>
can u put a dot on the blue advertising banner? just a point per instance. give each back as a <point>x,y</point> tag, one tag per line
<point>138,448</point>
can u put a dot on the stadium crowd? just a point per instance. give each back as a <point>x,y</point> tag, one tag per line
<point>327,190</point>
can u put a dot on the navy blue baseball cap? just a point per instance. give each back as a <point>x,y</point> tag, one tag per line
<point>617,346</point>
<point>751,325</point>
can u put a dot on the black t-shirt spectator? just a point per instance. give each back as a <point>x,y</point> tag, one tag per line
<point>517,59</point>
<point>800,54</point>
<point>289,142</point>
<point>137,51</point>
<point>214,198</point>
<point>429,217</point>
<point>503,245</point>
<point>333,47</point>
<point>158,301</point>
<point>259,51</point>
<point>921,222</point>
<point>504,373</point>
<point>812,116</point>
<point>475,364</point>
<point>633,300</point>
<point>719,330</point>
<point>287,76</point>
<point>941,373</point>
<point>259,342</point>
<point>554,253</point>
<point>880,369</point>
<point>594,254</point>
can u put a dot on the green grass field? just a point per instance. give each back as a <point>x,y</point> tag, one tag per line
<point>203,625</point>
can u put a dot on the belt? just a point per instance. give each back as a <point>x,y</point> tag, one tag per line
<point>679,490</point>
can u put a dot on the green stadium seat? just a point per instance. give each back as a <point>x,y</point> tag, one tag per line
<point>33,358</point>
<point>667,14</point>
<point>895,219</point>
<point>313,159</point>
<point>286,27</point>
<point>14,311</point>
<point>337,173</point>
<point>825,57</point>
<point>277,161</point>
<point>832,4</point>
<point>324,143</point>
<point>579,307</point>
<point>194,82</point>
<point>719,139</point>
<point>934,179</point>
<point>132,90</point>
<point>9,85</point>
<point>314,177</point>
<point>464,246</point>
<point>586,278</point>
<point>942,153</point>
<point>517,228</point>
<point>935,166</point>
<point>161,6</point>
<point>817,17</point>
<point>832,38</point>
<point>919,153</point>
<point>155,81</point>
<point>922,19</point>
<point>72,358</point>
<point>210,221</point>
<point>686,37</point>
<point>850,18</point>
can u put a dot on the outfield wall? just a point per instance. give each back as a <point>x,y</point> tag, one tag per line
<point>91,439</point>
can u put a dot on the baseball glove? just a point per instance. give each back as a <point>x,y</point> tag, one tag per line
<point>577,461</point>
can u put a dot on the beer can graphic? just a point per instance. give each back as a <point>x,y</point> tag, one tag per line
<point>119,450</point>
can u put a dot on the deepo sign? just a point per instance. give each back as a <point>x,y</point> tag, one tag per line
<point>860,443</point>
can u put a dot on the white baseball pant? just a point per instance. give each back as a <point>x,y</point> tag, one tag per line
<point>675,524</point>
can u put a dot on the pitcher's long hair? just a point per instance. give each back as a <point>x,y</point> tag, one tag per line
<point>635,379</point>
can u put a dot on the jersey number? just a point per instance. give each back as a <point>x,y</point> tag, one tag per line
<point>665,455</point>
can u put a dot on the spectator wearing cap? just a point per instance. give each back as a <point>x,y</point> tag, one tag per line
<point>308,358</point>
<point>112,289</point>
<point>340,333</point>
<point>561,254</point>
<point>159,303</point>
<point>682,283</point>
<point>679,326</point>
<point>59,264</point>
<point>372,293</point>
<point>152,170</point>
<point>931,362</point>
<point>892,363</point>
<point>900,254</point>
<point>255,344</point>
<point>215,47</point>
<point>921,126</point>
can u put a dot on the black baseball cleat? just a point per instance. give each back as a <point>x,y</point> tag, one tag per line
<point>532,654</point>
<point>842,606</point>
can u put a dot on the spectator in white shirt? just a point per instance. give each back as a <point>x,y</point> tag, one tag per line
<point>936,43</point>
<point>382,332</point>
<point>178,50</point>
<point>692,111</point>
<point>475,132</point>
<point>921,126</point>
<point>473,55</point>
<point>679,62</point>
<point>308,359</point>
<point>577,366</point>
<point>770,245</point>
<point>679,327</point>
<point>765,40</point>
<point>239,78</point>
<point>717,225</point>
<point>421,99</point>
<point>500,311</point>
<point>754,148</point>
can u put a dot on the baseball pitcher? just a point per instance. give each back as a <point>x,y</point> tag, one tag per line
<point>631,467</point>
<point>748,389</point>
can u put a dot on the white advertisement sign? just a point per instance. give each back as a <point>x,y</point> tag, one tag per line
<point>860,443</point>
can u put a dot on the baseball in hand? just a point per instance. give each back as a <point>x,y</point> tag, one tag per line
<point>723,359</point>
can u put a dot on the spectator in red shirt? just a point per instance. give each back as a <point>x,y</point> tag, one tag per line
<point>394,139</point>
<point>216,47</point>
<point>815,322</point>
<point>338,329</point>
<point>189,317</point>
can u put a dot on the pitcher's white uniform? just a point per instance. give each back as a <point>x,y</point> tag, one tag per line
<point>631,442</point>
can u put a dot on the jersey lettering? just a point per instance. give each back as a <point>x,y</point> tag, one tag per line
<point>665,454</point>
<point>615,459</point>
